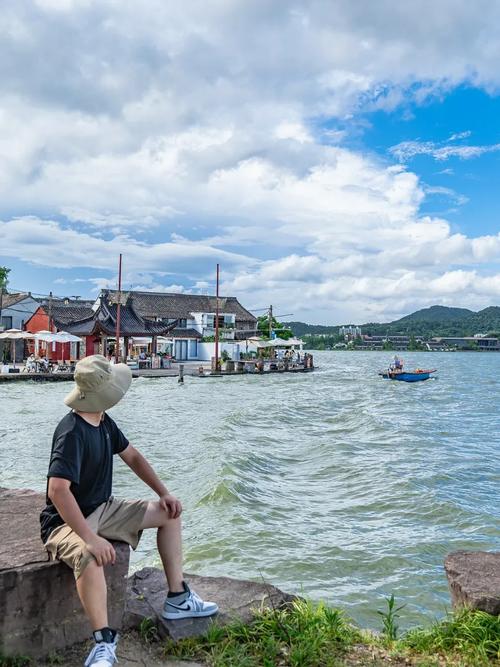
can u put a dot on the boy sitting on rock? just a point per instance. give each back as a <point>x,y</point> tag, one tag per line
<point>81,514</point>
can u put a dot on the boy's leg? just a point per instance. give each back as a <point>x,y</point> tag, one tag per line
<point>169,541</point>
<point>181,601</point>
<point>92,591</point>
<point>65,545</point>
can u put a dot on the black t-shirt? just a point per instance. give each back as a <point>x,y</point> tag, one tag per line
<point>82,454</point>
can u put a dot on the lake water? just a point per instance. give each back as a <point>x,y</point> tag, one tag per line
<point>337,484</point>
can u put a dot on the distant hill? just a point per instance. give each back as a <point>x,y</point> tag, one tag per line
<point>301,329</point>
<point>433,321</point>
<point>436,314</point>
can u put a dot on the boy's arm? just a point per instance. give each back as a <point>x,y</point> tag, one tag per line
<point>136,462</point>
<point>65,503</point>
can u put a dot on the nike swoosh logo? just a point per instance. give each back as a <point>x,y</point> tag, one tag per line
<point>177,606</point>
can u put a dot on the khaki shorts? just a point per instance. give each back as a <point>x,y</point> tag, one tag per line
<point>114,520</point>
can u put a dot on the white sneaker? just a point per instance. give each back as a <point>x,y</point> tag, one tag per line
<point>187,605</point>
<point>102,655</point>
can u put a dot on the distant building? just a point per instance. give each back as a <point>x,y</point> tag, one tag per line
<point>482,343</point>
<point>399,343</point>
<point>16,309</point>
<point>183,322</point>
<point>195,316</point>
<point>350,332</point>
<point>56,315</point>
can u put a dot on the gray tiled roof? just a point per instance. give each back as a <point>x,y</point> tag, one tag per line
<point>9,300</point>
<point>66,312</point>
<point>181,306</point>
<point>131,323</point>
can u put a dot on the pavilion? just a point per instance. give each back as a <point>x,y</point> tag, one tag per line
<point>97,328</point>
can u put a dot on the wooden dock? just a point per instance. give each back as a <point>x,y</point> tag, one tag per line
<point>174,372</point>
<point>188,370</point>
<point>36,377</point>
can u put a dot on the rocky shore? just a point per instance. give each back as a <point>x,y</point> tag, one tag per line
<point>41,617</point>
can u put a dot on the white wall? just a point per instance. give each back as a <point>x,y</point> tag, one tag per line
<point>207,350</point>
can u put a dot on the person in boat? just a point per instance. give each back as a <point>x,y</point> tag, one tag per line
<point>397,364</point>
<point>81,515</point>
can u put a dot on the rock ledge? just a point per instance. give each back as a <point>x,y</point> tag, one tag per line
<point>236,599</point>
<point>474,580</point>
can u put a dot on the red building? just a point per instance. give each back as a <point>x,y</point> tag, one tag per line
<point>61,314</point>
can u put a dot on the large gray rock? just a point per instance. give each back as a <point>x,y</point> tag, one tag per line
<point>236,599</point>
<point>39,609</point>
<point>474,580</point>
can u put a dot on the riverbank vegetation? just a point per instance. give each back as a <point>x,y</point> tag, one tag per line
<point>309,635</point>
<point>426,323</point>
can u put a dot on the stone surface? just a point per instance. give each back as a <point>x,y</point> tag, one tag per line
<point>474,580</point>
<point>39,608</point>
<point>131,652</point>
<point>236,599</point>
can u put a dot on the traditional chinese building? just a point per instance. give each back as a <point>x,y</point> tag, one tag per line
<point>98,327</point>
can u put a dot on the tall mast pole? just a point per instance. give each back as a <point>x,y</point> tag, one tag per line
<point>217,367</point>
<point>50,312</point>
<point>118,307</point>
<point>270,322</point>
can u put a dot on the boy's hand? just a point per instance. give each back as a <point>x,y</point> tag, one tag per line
<point>102,550</point>
<point>171,505</point>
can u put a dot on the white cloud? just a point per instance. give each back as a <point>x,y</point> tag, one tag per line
<point>449,193</point>
<point>49,243</point>
<point>460,135</point>
<point>406,150</point>
<point>205,124</point>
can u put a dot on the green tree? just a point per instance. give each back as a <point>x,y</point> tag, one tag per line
<point>4,277</point>
<point>415,345</point>
<point>279,328</point>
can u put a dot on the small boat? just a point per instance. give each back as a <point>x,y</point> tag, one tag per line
<point>397,372</point>
<point>407,376</point>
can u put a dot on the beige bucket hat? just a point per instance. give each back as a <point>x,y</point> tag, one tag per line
<point>99,384</point>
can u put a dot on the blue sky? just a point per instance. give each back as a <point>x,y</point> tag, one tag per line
<point>339,160</point>
<point>462,111</point>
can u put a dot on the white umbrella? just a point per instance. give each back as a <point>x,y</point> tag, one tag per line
<point>46,336</point>
<point>15,334</point>
<point>275,342</point>
<point>53,337</point>
<point>296,341</point>
<point>65,337</point>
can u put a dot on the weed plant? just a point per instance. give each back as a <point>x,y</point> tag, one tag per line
<point>300,635</point>
<point>14,661</point>
<point>466,638</point>
<point>307,635</point>
<point>389,617</point>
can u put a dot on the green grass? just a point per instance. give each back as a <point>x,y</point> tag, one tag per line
<point>148,631</point>
<point>466,638</point>
<point>14,661</point>
<point>309,635</point>
<point>301,635</point>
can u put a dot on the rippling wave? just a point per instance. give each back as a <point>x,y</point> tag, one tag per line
<point>338,484</point>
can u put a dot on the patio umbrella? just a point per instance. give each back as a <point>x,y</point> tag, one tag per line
<point>13,335</point>
<point>65,337</point>
<point>47,336</point>
<point>275,342</point>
